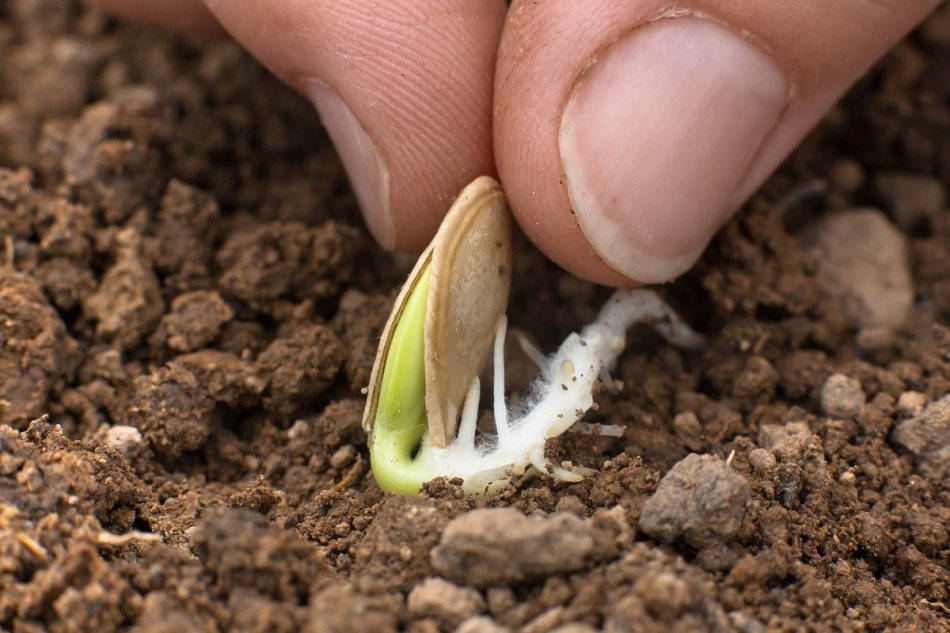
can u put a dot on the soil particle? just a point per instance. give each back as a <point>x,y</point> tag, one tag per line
<point>172,410</point>
<point>913,200</point>
<point>36,353</point>
<point>275,263</point>
<point>128,303</point>
<point>842,397</point>
<point>481,624</point>
<point>195,319</point>
<point>927,437</point>
<point>863,266</point>
<point>300,366</point>
<point>341,609</point>
<point>447,604</point>
<point>66,283</point>
<point>241,550</point>
<point>127,440</point>
<point>360,320</point>
<point>787,441</point>
<point>224,377</point>
<point>651,590</point>
<point>397,544</point>
<point>496,546</point>
<point>701,500</point>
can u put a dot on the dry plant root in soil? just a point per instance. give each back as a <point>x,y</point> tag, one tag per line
<point>190,307</point>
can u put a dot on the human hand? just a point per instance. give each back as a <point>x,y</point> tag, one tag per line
<point>625,132</point>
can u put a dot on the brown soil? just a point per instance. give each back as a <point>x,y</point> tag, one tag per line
<point>189,306</point>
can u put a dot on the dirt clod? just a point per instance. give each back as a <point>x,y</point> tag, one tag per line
<point>501,545</point>
<point>842,397</point>
<point>36,353</point>
<point>172,410</point>
<point>195,320</point>
<point>300,367</point>
<point>444,602</point>
<point>914,200</point>
<point>701,500</point>
<point>128,303</point>
<point>863,265</point>
<point>927,437</point>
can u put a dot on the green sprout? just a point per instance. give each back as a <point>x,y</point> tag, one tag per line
<point>400,422</point>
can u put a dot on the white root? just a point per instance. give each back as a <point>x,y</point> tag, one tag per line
<point>560,397</point>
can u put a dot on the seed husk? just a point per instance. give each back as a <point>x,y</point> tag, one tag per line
<point>469,269</point>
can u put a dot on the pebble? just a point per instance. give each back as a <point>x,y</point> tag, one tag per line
<point>762,461</point>
<point>299,430</point>
<point>498,546</point>
<point>700,500</point>
<point>689,430</point>
<point>574,627</point>
<point>342,457</point>
<point>786,441</point>
<point>481,624</point>
<point>863,266</point>
<point>842,397</point>
<point>911,198</point>
<point>911,403</point>
<point>448,604</point>
<point>927,437</point>
<point>125,439</point>
<point>847,175</point>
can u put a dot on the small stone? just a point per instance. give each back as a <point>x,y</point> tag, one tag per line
<point>342,457</point>
<point>497,546</point>
<point>863,267</point>
<point>786,441</point>
<point>745,623</point>
<point>700,500</point>
<point>125,439</point>
<point>299,430</point>
<point>481,624</point>
<point>689,430</point>
<point>842,397</point>
<point>927,438</point>
<point>574,627</point>
<point>913,199</point>
<point>911,403</point>
<point>762,461</point>
<point>847,175</point>
<point>572,504</point>
<point>448,604</point>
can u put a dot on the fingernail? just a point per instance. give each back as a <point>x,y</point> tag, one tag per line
<point>658,134</point>
<point>365,166</point>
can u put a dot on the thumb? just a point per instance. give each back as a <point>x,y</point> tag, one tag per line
<point>627,133</point>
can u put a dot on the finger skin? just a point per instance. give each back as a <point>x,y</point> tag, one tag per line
<point>822,47</point>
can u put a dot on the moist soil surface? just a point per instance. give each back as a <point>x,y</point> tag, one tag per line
<point>190,306</point>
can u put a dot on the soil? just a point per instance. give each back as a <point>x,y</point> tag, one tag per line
<point>189,308</point>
